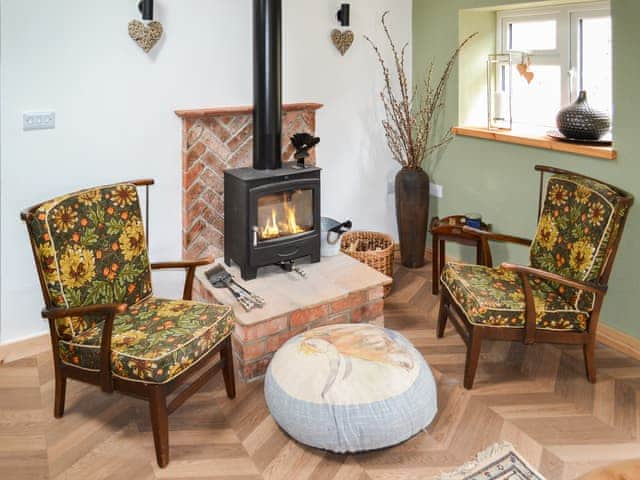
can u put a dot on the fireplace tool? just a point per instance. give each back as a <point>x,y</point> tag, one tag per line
<point>220,278</point>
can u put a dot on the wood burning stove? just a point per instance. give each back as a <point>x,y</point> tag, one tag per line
<point>271,211</point>
<point>271,217</point>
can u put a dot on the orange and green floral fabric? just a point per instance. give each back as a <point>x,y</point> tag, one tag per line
<point>494,297</point>
<point>155,340</point>
<point>92,250</point>
<point>579,220</point>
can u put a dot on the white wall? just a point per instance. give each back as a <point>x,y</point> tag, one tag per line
<point>115,105</point>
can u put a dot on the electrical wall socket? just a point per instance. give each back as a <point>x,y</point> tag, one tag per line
<point>38,120</point>
<point>436,190</point>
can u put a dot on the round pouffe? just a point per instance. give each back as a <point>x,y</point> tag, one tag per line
<point>350,388</point>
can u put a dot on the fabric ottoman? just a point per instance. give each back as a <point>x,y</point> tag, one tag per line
<point>350,388</point>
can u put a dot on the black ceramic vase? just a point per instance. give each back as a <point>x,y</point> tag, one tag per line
<point>581,122</point>
<point>412,213</point>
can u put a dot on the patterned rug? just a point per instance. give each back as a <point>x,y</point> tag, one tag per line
<point>498,462</point>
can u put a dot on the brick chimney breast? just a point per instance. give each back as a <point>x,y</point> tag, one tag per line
<point>214,140</point>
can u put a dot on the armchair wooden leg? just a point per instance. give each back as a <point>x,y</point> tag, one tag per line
<point>442,315</point>
<point>60,394</point>
<point>473,356</point>
<point>159,423</point>
<point>226,355</point>
<point>589,350</point>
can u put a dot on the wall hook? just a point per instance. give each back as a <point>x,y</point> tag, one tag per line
<point>146,9</point>
<point>344,15</point>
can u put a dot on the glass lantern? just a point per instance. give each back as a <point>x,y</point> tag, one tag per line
<point>500,67</point>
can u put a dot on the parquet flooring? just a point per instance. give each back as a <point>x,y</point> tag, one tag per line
<point>537,398</point>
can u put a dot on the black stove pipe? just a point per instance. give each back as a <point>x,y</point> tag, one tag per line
<point>267,84</point>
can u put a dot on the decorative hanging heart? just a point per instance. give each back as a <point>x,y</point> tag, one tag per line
<point>342,40</point>
<point>146,36</point>
<point>528,76</point>
<point>523,70</point>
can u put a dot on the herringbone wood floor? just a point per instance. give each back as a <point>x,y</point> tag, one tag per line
<point>537,398</point>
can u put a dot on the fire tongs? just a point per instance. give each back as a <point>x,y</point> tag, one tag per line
<point>220,278</point>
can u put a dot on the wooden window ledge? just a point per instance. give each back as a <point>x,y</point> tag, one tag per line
<point>537,140</point>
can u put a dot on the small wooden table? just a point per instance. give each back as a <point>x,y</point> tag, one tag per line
<point>450,229</point>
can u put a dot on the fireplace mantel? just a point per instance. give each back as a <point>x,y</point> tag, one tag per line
<point>243,110</point>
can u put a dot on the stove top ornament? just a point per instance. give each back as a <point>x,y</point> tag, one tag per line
<point>303,143</point>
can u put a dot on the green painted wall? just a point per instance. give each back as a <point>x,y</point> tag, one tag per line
<point>498,180</point>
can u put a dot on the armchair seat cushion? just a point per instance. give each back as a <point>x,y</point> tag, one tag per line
<point>494,297</point>
<point>154,341</point>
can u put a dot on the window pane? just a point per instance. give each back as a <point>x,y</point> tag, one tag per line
<point>595,65</point>
<point>538,103</point>
<point>533,35</point>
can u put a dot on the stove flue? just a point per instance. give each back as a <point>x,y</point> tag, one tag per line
<point>267,84</point>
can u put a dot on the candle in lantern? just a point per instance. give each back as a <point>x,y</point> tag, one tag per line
<point>500,105</point>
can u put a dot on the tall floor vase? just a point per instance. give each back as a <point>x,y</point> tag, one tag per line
<point>412,213</point>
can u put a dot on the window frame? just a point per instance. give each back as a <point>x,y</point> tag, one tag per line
<point>505,17</point>
<point>594,10</point>
<point>567,51</point>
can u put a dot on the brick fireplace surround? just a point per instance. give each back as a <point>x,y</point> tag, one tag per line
<point>214,140</point>
<point>340,290</point>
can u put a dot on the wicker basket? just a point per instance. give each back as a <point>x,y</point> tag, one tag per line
<point>373,249</point>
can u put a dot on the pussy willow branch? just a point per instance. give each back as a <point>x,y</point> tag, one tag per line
<point>410,114</point>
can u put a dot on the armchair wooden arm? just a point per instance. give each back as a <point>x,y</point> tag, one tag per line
<point>190,266</point>
<point>530,312</point>
<point>109,312</point>
<point>485,237</point>
<point>567,282</point>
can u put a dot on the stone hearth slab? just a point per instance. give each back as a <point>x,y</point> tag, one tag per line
<point>337,290</point>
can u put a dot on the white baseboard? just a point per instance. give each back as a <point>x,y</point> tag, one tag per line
<point>26,347</point>
<point>620,341</point>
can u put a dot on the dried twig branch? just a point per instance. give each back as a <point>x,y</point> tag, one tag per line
<point>410,115</point>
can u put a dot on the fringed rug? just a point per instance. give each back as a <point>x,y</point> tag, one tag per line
<point>498,462</point>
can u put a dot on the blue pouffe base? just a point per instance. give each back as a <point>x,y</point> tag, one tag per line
<point>350,388</point>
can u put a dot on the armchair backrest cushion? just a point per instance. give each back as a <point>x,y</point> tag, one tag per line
<point>580,220</point>
<point>90,249</point>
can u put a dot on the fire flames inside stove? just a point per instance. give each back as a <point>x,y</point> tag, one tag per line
<point>285,214</point>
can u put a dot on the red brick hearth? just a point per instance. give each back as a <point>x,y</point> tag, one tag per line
<point>337,290</point>
<point>254,346</point>
<point>212,141</point>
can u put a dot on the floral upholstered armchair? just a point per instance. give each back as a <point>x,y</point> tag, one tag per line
<point>556,299</point>
<point>106,326</point>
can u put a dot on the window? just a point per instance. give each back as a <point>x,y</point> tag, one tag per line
<point>568,50</point>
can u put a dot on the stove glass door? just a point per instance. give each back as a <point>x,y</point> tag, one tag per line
<point>285,214</point>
